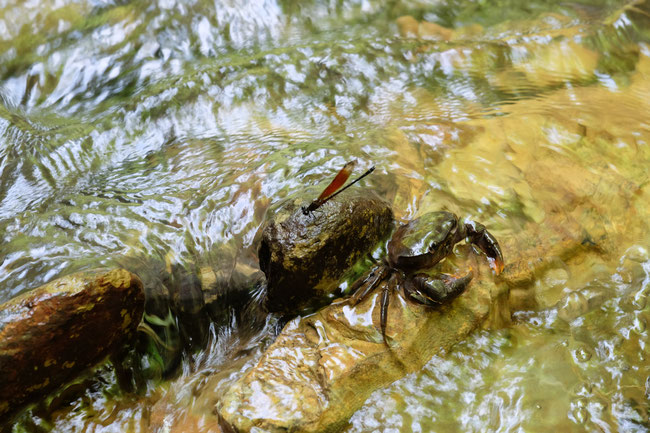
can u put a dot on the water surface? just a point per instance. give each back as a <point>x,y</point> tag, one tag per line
<point>141,134</point>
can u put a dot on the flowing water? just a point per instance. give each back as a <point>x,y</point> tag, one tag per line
<point>140,134</point>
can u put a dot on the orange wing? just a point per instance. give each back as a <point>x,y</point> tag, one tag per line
<point>338,181</point>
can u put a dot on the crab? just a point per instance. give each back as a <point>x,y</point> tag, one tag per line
<point>419,245</point>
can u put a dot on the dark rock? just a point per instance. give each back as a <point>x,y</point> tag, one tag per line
<point>231,283</point>
<point>304,256</point>
<point>188,306</point>
<point>53,333</point>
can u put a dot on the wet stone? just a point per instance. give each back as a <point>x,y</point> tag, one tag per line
<point>323,367</point>
<point>407,26</point>
<point>304,256</point>
<point>53,333</point>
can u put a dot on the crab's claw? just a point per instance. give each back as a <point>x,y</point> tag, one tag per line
<point>436,290</point>
<point>483,239</point>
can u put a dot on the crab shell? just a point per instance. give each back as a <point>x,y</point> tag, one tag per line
<point>424,241</point>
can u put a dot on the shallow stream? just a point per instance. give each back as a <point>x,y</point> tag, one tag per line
<point>139,134</point>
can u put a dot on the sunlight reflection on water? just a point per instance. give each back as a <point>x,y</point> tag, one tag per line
<point>133,132</point>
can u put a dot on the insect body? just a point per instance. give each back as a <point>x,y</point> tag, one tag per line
<point>334,188</point>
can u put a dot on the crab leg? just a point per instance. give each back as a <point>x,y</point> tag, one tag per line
<point>370,281</point>
<point>385,299</point>
<point>483,239</point>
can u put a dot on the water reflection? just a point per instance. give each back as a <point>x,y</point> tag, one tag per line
<point>156,136</point>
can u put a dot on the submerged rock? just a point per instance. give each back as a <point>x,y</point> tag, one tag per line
<point>323,367</point>
<point>410,27</point>
<point>51,334</point>
<point>304,256</point>
<point>230,285</point>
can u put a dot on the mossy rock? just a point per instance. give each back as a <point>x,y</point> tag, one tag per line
<point>304,256</point>
<point>51,334</point>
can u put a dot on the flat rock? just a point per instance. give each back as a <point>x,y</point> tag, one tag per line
<point>323,367</point>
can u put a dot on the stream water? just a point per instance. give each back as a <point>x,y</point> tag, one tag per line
<point>140,134</point>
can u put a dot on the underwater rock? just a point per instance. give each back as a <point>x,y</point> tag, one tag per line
<point>410,27</point>
<point>428,30</point>
<point>407,26</point>
<point>230,285</point>
<point>52,333</point>
<point>304,256</point>
<point>323,367</point>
